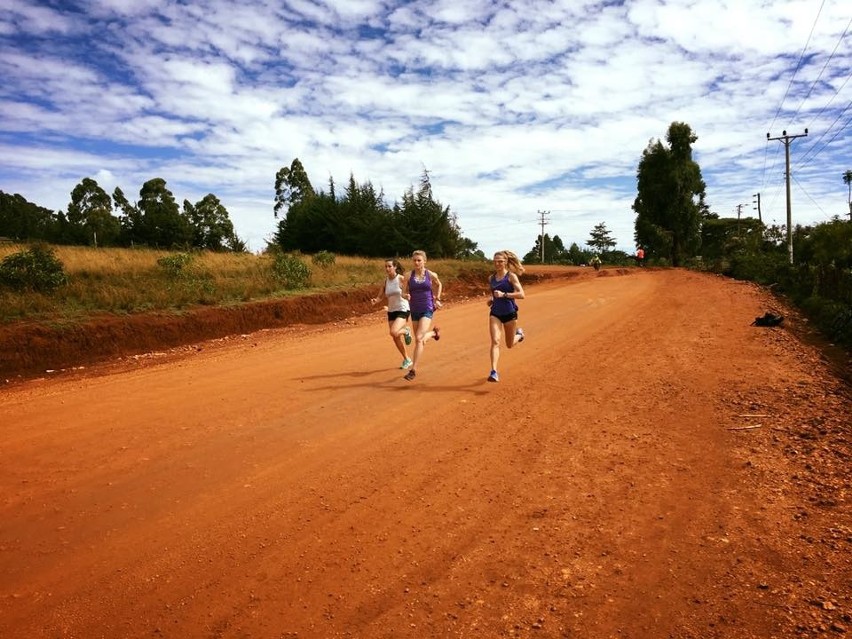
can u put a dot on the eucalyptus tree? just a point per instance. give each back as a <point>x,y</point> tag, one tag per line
<point>211,225</point>
<point>90,215</point>
<point>670,202</point>
<point>156,219</point>
<point>292,186</point>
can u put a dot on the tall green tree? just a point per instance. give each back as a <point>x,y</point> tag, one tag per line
<point>129,218</point>
<point>211,225</point>
<point>422,222</point>
<point>292,186</point>
<point>90,215</point>
<point>21,219</point>
<point>600,239</point>
<point>364,220</point>
<point>670,202</point>
<point>157,220</point>
<point>554,251</point>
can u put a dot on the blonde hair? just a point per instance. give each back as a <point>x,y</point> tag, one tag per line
<point>420,253</point>
<point>513,263</point>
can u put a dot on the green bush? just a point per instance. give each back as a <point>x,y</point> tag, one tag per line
<point>323,259</point>
<point>291,271</point>
<point>763,268</point>
<point>175,264</point>
<point>35,269</point>
<point>833,318</point>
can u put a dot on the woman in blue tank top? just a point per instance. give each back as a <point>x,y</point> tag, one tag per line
<point>423,289</point>
<point>503,318</point>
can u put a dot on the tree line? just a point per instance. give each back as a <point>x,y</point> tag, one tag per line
<point>155,220</point>
<point>360,222</point>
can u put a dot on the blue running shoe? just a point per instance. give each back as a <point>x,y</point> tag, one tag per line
<point>407,338</point>
<point>519,336</point>
<point>493,377</point>
<point>406,363</point>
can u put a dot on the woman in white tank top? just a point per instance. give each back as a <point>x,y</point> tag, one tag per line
<point>398,310</point>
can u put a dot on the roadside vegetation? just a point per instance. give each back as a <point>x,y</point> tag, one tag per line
<point>62,283</point>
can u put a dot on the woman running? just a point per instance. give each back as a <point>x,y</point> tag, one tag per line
<point>423,289</point>
<point>503,318</point>
<point>398,309</point>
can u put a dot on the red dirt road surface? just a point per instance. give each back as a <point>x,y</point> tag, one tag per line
<point>650,466</point>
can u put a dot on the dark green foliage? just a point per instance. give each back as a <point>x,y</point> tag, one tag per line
<point>158,221</point>
<point>556,253</point>
<point>670,198</point>
<point>22,220</point>
<point>290,271</point>
<point>90,217</point>
<point>292,187</point>
<point>35,269</point>
<point>360,223</point>
<point>601,239</point>
<point>211,226</point>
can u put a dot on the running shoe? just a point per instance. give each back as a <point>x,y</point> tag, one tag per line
<point>519,336</point>
<point>407,338</point>
<point>406,363</point>
<point>410,375</point>
<point>493,377</point>
<point>436,330</point>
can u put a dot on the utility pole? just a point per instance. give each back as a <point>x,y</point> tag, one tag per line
<point>757,208</point>
<point>543,222</point>
<point>787,139</point>
<point>739,215</point>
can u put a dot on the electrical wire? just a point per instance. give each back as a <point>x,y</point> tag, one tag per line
<point>798,65</point>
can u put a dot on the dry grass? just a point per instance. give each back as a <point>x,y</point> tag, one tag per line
<point>131,281</point>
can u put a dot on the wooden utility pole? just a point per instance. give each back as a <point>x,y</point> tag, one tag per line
<point>787,139</point>
<point>757,208</point>
<point>543,222</point>
<point>739,215</point>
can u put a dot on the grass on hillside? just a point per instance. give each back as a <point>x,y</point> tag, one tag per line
<point>113,280</point>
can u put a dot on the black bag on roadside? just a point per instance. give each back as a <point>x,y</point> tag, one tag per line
<point>768,319</point>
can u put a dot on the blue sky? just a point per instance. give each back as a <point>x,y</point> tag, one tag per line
<point>513,106</point>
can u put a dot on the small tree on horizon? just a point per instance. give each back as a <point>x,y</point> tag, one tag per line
<point>601,240</point>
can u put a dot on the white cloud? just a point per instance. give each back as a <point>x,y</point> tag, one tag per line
<point>512,107</point>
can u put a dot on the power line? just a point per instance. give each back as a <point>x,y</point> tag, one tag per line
<point>798,64</point>
<point>808,157</point>
<point>843,35</point>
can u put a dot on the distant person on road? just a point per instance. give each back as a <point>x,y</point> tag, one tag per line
<point>503,318</point>
<point>423,289</point>
<point>640,257</point>
<point>596,262</point>
<point>398,309</point>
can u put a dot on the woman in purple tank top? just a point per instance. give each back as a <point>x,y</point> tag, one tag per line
<point>423,289</point>
<point>503,318</point>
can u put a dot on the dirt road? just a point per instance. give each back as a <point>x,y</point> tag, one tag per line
<point>650,466</point>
